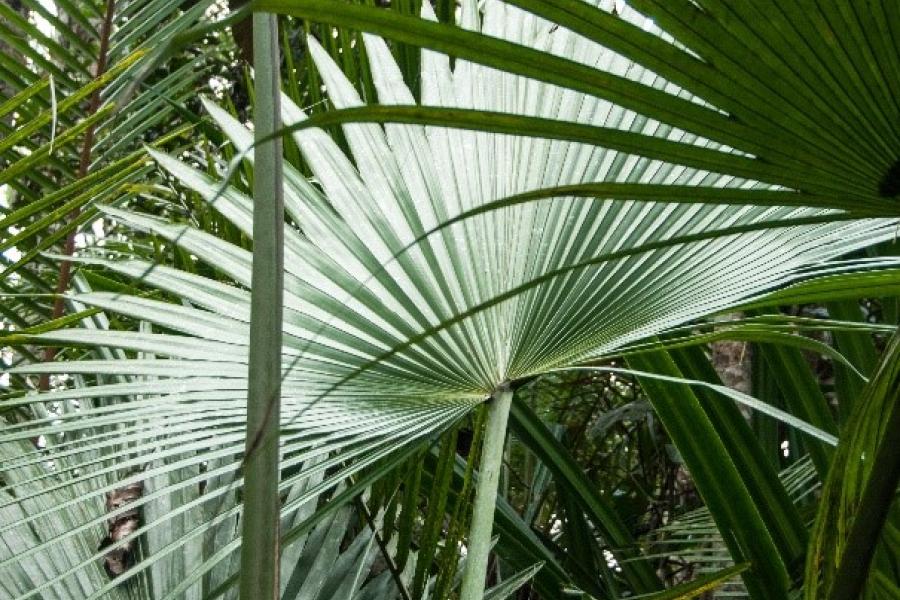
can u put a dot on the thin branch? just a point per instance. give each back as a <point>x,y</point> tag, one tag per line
<point>84,165</point>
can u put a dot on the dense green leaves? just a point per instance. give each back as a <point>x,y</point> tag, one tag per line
<point>575,182</point>
<point>860,489</point>
<point>723,487</point>
<point>569,476</point>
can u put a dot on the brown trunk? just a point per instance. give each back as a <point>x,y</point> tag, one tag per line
<point>65,268</point>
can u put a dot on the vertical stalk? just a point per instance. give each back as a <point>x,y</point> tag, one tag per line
<point>84,165</point>
<point>486,495</point>
<point>260,517</point>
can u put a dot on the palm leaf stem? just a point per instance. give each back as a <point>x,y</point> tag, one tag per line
<point>261,514</point>
<point>479,547</point>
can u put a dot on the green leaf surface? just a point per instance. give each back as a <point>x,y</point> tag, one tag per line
<point>860,488</point>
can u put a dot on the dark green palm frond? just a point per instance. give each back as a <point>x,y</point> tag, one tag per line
<point>758,82</point>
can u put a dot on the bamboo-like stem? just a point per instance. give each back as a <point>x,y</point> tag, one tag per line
<point>479,545</point>
<point>260,517</point>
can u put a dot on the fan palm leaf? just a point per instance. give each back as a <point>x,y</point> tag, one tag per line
<point>386,341</point>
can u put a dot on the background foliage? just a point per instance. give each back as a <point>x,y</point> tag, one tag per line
<point>671,226</point>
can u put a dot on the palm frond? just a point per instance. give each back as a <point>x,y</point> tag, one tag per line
<point>384,344</point>
<point>731,76</point>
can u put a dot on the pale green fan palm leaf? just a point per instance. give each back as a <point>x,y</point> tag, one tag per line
<point>386,342</point>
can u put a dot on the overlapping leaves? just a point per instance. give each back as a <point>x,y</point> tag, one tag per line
<point>391,332</point>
